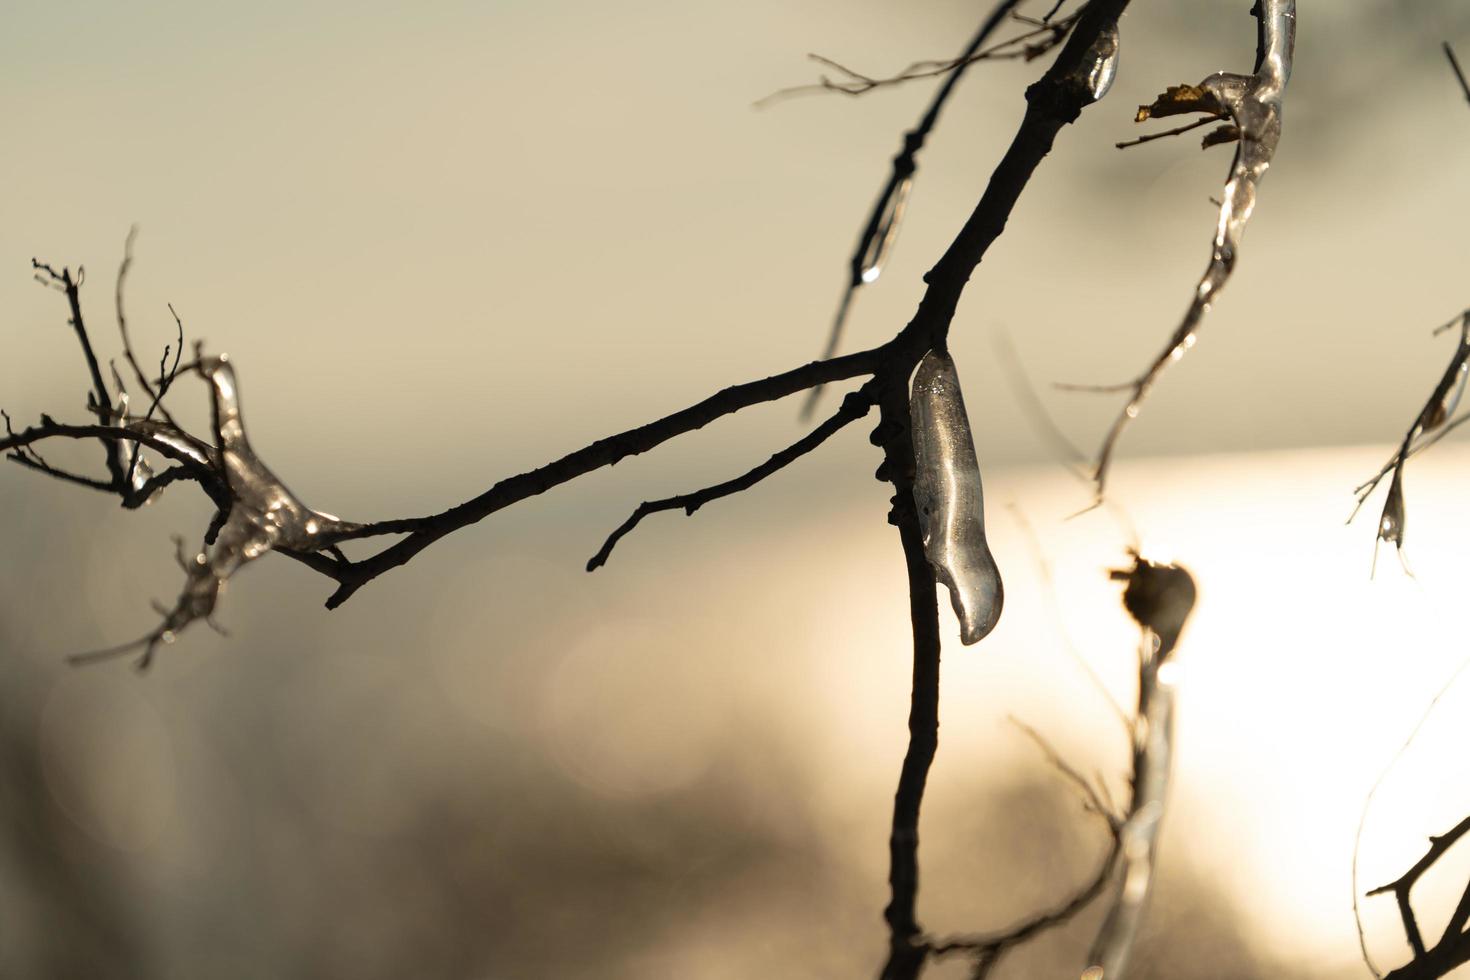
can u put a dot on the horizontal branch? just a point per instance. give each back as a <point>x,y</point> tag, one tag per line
<point>424,531</point>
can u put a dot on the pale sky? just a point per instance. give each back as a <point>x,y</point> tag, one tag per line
<point>446,242</point>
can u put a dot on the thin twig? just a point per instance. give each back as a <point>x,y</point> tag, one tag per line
<point>99,399</point>
<point>1401,886</point>
<point>988,949</point>
<point>155,397</point>
<point>866,260</point>
<point>1092,798</point>
<point>1368,803</point>
<point>1206,121</point>
<point>1449,53</point>
<point>854,407</point>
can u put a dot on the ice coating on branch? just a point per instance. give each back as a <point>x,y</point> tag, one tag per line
<point>1139,835</point>
<point>1103,66</point>
<point>1442,403</point>
<point>129,455</point>
<point>185,444</point>
<point>873,249</point>
<point>1445,406</point>
<point>1160,598</point>
<point>949,499</point>
<point>1252,106</point>
<point>879,245</point>
<point>263,515</point>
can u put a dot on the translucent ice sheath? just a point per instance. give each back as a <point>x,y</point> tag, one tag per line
<point>1153,733</point>
<point>1160,598</point>
<point>263,514</point>
<point>1250,106</point>
<point>1104,66</point>
<point>949,499</point>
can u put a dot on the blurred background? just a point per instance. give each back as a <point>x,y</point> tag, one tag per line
<point>447,242</point>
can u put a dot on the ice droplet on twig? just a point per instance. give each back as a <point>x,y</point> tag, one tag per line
<point>874,246</point>
<point>1432,418</point>
<point>264,515</point>
<point>949,498</point>
<point>878,243</point>
<point>1103,65</point>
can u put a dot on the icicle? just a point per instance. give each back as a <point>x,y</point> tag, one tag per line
<point>950,502</point>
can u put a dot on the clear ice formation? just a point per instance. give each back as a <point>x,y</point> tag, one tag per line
<point>1139,835</point>
<point>1442,403</point>
<point>264,514</point>
<point>949,498</point>
<point>884,233</point>
<point>129,455</point>
<point>1252,104</point>
<point>1160,598</point>
<point>1104,65</point>
<point>160,431</point>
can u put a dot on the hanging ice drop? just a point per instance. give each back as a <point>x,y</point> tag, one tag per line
<point>1102,67</point>
<point>948,495</point>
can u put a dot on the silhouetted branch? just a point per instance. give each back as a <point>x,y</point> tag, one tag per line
<point>1092,799</point>
<point>854,407</point>
<point>1442,402</point>
<point>256,514</point>
<point>878,234</point>
<point>1368,804</point>
<point>987,950</point>
<point>98,399</point>
<point>1449,53</point>
<point>1026,46</point>
<point>907,951</point>
<point>1453,947</point>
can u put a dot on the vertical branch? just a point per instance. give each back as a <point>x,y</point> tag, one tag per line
<point>1160,599</point>
<point>906,952</point>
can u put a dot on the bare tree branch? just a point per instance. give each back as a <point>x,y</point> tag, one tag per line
<point>1449,53</point>
<point>854,407</point>
<point>1442,403</point>
<point>1453,948</point>
<point>987,950</point>
<point>1024,46</point>
<point>99,400</point>
<point>878,234</point>
<point>1254,104</point>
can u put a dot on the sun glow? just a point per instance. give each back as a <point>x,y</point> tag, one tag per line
<point>1304,674</point>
